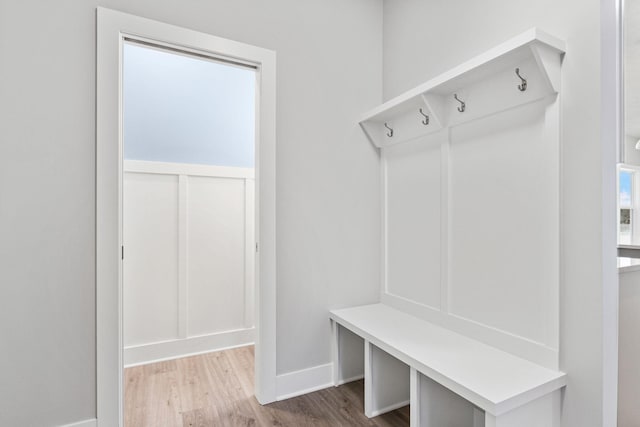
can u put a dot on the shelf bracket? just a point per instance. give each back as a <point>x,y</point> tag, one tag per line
<point>436,105</point>
<point>549,61</point>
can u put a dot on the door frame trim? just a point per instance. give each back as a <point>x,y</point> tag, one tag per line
<point>112,28</point>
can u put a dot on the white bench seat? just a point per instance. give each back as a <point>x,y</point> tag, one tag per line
<point>493,380</point>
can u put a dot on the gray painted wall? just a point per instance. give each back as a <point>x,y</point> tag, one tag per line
<point>425,38</point>
<point>329,72</point>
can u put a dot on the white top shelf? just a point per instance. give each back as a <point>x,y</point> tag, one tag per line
<point>535,52</point>
<point>492,379</point>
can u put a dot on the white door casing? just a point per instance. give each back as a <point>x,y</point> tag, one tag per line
<point>112,29</point>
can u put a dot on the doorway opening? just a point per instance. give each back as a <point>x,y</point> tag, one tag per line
<point>181,213</point>
<point>188,203</point>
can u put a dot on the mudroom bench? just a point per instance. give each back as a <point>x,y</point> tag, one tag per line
<point>448,379</point>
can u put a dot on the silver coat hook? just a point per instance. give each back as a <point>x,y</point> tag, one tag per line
<point>426,118</point>
<point>462,106</point>
<point>522,87</point>
<point>390,133</point>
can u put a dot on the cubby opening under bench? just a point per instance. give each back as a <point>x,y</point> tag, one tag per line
<point>449,380</point>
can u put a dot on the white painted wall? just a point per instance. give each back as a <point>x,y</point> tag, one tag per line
<point>189,261</point>
<point>424,38</point>
<point>329,72</point>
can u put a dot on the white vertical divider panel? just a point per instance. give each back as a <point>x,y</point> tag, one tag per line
<point>351,348</point>
<point>415,397</point>
<point>183,244</point>
<point>552,134</point>
<point>347,353</point>
<point>368,379</point>
<point>386,382</point>
<point>384,216</point>
<point>351,356</point>
<point>335,354</point>
<point>445,232</point>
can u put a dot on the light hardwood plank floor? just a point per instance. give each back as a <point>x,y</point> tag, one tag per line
<point>216,389</point>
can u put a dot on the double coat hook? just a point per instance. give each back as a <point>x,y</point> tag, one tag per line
<point>462,106</point>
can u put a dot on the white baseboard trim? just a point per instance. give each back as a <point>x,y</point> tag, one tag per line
<point>304,381</point>
<point>167,350</point>
<point>86,423</point>
<point>389,408</point>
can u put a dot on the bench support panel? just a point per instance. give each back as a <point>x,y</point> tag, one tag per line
<point>433,405</point>
<point>386,382</point>
<point>347,355</point>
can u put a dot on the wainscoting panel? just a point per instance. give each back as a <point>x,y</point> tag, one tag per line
<point>412,173</point>
<point>471,229</point>
<point>216,254</point>
<point>189,249</point>
<point>151,248</point>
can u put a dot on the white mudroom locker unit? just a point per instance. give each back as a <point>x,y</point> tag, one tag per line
<point>467,328</point>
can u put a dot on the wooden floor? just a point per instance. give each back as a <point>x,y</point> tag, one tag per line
<point>216,389</point>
